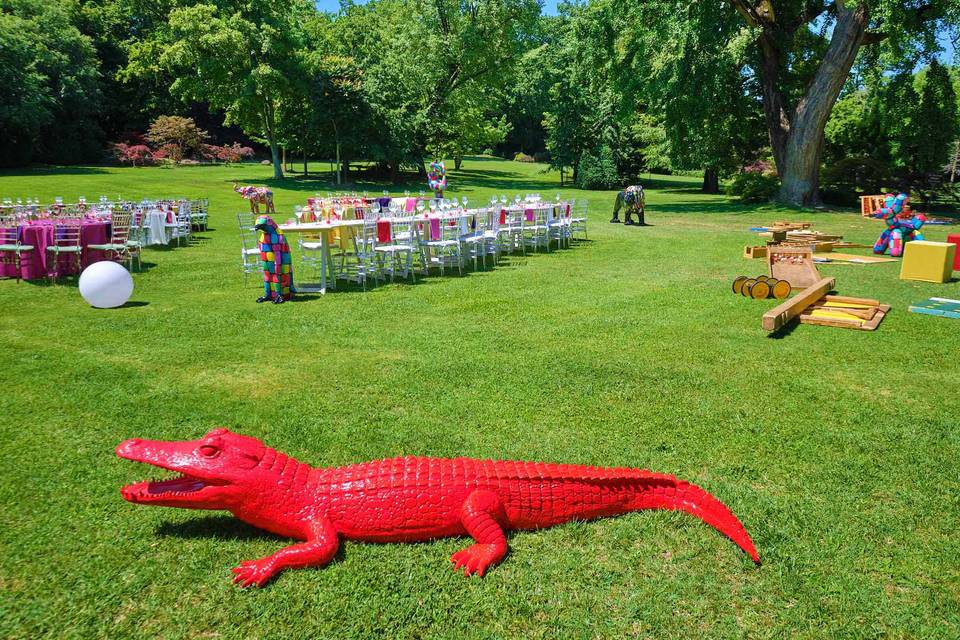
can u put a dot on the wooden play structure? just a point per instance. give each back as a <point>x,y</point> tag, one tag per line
<point>815,306</point>
<point>793,264</point>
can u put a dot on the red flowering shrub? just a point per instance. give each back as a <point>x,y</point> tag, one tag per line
<point>132,154</point>
<point>129,153</point>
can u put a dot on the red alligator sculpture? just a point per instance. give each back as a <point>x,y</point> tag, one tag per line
<point>400,499</point>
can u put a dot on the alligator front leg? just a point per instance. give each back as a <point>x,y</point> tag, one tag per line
<point>315,552</point>
<point>483,517</point>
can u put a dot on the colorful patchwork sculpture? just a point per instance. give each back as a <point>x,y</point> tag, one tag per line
<point>437,178</point>
<point>277,262</point>
<point>633,197</point>
<point>256,195</point>
<point>399,499</point>
<point>901,226</point>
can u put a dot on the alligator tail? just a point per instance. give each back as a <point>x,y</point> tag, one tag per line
<point>680,495</point>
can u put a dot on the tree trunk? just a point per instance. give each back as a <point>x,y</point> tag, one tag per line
<point>339,166</point>
<point>275,154</point>
<point>345,169</point>
<point>798,155</point>
<point>711,181</point>
<point>457,162</point>
<point>956,158</point>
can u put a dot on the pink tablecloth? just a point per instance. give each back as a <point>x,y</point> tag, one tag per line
<point>38,263</point>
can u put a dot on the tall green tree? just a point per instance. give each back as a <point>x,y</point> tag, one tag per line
<point>936,120</point>
<point>697,80</point>
<point>49,75</point>
<point>237,56</point>
<point>801,53</point>
<point>423,75</point>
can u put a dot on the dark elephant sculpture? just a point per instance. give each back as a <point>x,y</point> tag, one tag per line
<point>635,201</point>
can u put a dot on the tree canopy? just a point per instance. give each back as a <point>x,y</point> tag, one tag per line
<point>849,91</point>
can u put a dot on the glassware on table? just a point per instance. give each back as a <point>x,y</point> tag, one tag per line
<point>421,194</point>
<point>464,200</point>
<point>421,206</point>
<point>433,206</point>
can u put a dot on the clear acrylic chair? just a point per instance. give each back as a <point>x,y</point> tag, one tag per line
<point>11,248</point>
<point>65,248</point>
<point>395,247</point>
<point>472,238</point>
<point>249,246</point>
<point>440,242</point>
<point>578,218</point>
<point>117,248</point>
<point>199,214</point>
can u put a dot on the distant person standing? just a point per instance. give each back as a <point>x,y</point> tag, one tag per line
<point>635,202</point>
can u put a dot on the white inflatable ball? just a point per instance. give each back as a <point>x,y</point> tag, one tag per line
<point>106,285</point>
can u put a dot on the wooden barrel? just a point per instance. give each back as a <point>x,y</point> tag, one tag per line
<point>781,290</point>
<point>739,283</point>
<point>760,290</point>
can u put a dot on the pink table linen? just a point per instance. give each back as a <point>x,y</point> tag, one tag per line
<point>38,263</point>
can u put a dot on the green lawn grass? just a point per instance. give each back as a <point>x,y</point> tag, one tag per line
<point>838,449</point>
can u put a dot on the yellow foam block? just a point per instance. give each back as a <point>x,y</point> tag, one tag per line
<point>927,261</point>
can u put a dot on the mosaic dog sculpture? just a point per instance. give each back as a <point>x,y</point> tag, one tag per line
<point>256,196</point>
<point>399,499</point>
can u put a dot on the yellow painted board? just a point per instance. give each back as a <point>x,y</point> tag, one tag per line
<point>848,305</point>
<point>839,315</point>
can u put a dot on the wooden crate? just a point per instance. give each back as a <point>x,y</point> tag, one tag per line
<point>869,204</point>
<point>754,252</point>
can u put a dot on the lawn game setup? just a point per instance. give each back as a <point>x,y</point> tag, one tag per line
<point>401,499</point>
<point>814,305</point>
<point>792,256</point>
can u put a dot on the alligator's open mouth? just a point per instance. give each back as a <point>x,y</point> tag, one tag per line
<point>182,485</point>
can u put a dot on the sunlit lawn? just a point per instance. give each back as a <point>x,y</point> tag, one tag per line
<point>838,449</point>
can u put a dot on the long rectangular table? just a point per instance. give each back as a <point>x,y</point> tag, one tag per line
<point>325,226</point>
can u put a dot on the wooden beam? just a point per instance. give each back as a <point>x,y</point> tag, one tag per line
<point>790,309</point>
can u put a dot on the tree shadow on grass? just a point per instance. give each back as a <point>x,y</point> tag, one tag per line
<point>709,207</point>
<point>73,281</point>
<point>52,171</point>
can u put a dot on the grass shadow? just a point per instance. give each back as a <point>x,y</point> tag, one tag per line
<point>223,527</point>
<point>53,171</point>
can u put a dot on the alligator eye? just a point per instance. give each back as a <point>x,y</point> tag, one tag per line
<point>208,451</point>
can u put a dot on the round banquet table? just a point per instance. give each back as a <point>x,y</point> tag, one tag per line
<point>39,263</point>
